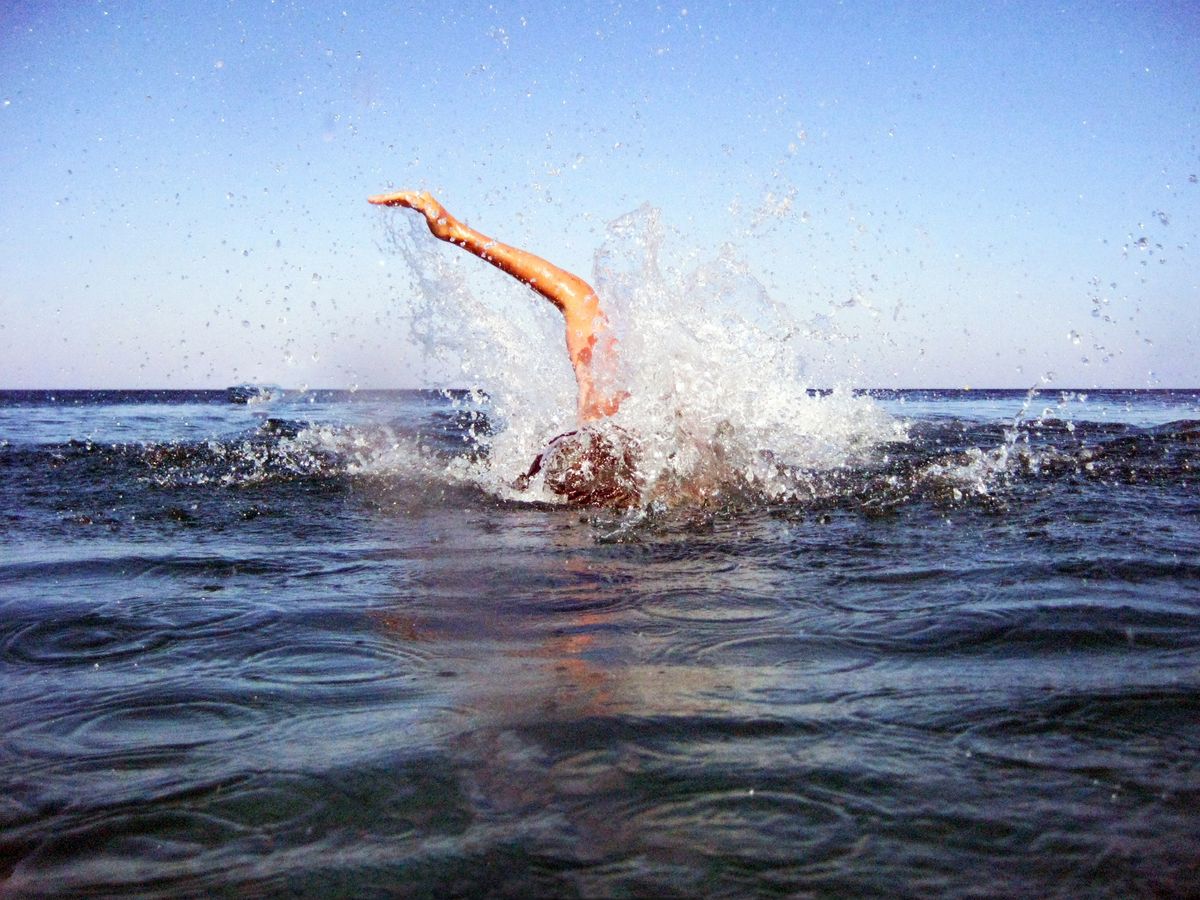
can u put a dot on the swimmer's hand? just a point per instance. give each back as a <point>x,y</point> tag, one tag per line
<point>441,223</point>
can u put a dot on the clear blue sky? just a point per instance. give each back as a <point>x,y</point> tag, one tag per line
<point>183,187</point>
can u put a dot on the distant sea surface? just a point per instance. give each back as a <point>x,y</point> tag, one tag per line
<point>288,648</point>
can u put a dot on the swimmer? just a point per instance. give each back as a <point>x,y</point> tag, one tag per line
<point>591,466</point>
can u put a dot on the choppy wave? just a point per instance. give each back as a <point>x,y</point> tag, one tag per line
<point>450,462</point>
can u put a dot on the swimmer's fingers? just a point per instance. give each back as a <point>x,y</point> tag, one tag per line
<point>409,199</point>
<point>441,223</point>
<point>421,201</point>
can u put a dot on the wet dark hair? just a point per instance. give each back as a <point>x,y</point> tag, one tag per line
<point>594,466</point>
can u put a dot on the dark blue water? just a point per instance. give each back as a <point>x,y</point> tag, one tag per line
<point>283,649</point>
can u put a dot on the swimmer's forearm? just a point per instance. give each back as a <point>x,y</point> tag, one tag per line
<point>566,291</point>
<point>573,296</point>
<point>570,293</point>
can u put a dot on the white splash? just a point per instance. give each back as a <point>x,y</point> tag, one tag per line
<point>714,367</point>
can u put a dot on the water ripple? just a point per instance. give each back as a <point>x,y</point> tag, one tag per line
<point>333,660</point>
<point>86,639</point>
<point>121,631</point>
<point>129,567</point>
<point>772,825</point>
<point>703,607</point>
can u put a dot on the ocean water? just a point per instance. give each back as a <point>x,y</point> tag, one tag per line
<point>930,643</point>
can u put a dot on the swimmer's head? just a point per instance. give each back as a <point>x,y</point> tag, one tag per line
<point>594,467</point>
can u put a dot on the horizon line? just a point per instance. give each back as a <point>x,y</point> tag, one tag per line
<point>356,390</point>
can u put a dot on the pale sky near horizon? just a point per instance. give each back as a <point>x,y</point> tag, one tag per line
<point>995,195</point>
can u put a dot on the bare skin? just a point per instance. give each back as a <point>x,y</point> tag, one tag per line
<point>587,326</point>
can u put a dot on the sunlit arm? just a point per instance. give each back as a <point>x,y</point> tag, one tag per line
<point>586,323</point>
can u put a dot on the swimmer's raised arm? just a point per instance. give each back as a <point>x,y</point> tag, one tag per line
<point>574,297</point>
